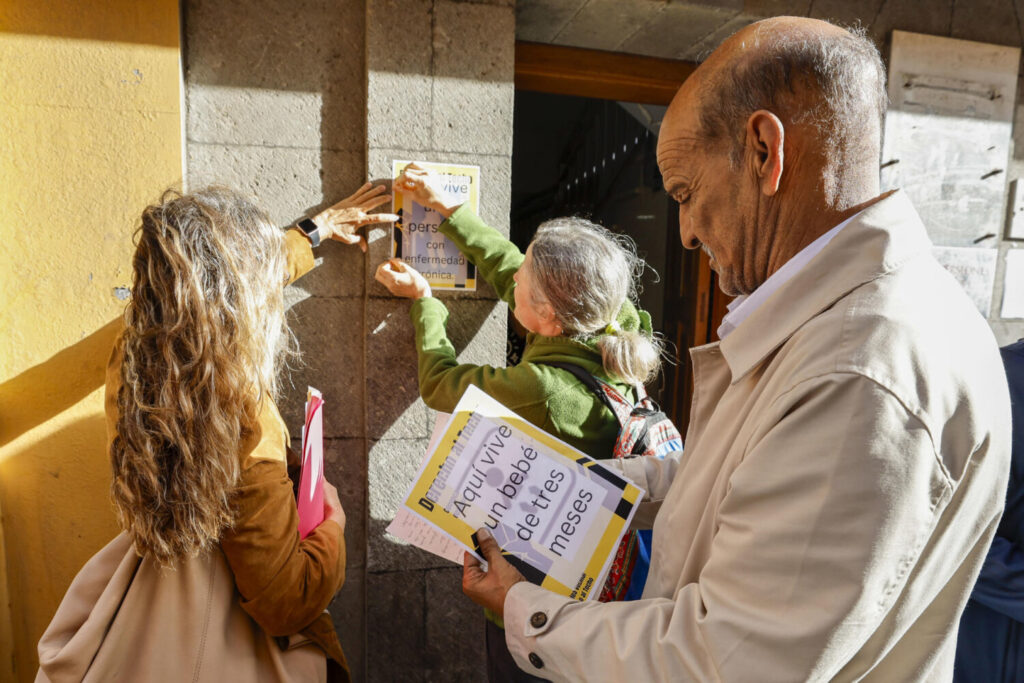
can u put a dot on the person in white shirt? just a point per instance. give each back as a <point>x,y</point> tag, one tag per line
<point>849,440</point>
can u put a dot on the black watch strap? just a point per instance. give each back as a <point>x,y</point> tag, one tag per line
<point>307,226</point>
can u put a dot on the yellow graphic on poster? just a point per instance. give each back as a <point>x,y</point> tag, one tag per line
<point>557,514</point>
<point>415,238</point>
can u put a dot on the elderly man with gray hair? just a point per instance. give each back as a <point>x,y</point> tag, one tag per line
<point>849,439</point>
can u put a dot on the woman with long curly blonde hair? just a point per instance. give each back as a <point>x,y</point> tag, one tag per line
<point>210,579</point>
<point>204,335</point>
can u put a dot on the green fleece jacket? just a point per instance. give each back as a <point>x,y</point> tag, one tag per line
<point>551,398</point>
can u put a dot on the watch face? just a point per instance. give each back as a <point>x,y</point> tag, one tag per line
<point>312,231</point>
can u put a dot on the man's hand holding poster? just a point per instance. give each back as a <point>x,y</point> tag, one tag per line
<point>557,514</point>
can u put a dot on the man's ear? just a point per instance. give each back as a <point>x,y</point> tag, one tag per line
<point>765,138</point>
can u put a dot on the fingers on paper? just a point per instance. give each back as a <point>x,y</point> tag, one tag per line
<point>469,560</point>
<point>372,218</point>
<point>488,546</point>
<point>411,177</point>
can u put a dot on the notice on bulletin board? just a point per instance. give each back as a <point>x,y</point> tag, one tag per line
<point>557,514</point>
<point>415,238</point>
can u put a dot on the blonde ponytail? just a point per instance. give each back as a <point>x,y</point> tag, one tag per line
<point>631,356</point>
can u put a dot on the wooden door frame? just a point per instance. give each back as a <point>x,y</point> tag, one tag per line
<point>594,73</point>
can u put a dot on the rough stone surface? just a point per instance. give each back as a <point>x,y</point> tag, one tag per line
<point>459,653</point>
<point>339,272</point>
<point>328,119</point>
<point>540,21</point>
<point>777,8</point>
<point>394,409</point>
<point>284,75</point>
<point>238,115</point>
<point>299,46</point>
<point>906,15</point>
<point>477,330</point>
<point>675,30</point>
<point>733,5</point>
<point>484,106</point>
<point>348,612</point>
<point>503,3</point>
<point>399,87</point>
<point>401,114</point>
<point>393,464</point>
<point>289,182</point>
<point>987,21</point>
<point>395,634</point>
<point>332,348</point>
<point>399,37</point>
<point>700,50</point>
<point>474,54</point>
<point>473,42</point>
<point>604,24</point>
<point>846,12</point>
<point>345,468</point>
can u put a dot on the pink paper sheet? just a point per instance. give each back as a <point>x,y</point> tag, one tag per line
<point>310,501</point>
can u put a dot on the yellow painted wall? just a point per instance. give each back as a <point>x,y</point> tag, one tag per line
<point>89,134</point>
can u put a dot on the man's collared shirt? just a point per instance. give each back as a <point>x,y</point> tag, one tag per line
<point>742,306</point>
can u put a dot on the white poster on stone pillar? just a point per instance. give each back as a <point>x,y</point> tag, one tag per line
<point>947,144</point>
<point>415,238</point>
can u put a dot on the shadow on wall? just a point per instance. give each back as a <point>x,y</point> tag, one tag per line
<point>54,459</point>
<point>74,463</point>
<point>110,21</point>
<point>48,389</point>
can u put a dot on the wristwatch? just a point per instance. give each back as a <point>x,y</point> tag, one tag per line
<point>310,229</point>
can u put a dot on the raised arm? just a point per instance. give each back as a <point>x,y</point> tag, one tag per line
<point>443,379</point>
<point>339,222</point>
<point>492,253</point>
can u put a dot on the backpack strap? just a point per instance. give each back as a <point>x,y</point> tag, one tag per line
<point>623,413</point>
<point>620,406</point>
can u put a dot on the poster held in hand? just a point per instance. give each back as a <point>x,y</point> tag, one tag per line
<point>310,500</point>
<point>557,514</point>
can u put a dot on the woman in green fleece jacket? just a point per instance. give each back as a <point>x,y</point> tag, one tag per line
<point>572,290</point>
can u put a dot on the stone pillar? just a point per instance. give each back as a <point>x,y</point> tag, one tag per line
<point>297,103</point>
<point>439,88</point>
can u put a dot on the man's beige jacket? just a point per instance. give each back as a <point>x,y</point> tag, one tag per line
<point>844,471</point>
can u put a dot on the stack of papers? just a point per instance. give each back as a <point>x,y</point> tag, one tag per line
<point>557,514</point>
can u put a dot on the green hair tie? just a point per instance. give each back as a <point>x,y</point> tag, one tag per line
<point>613,327</point>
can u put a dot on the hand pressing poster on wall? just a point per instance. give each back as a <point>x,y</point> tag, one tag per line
<point>557,514</point>
<point>415,238</point>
